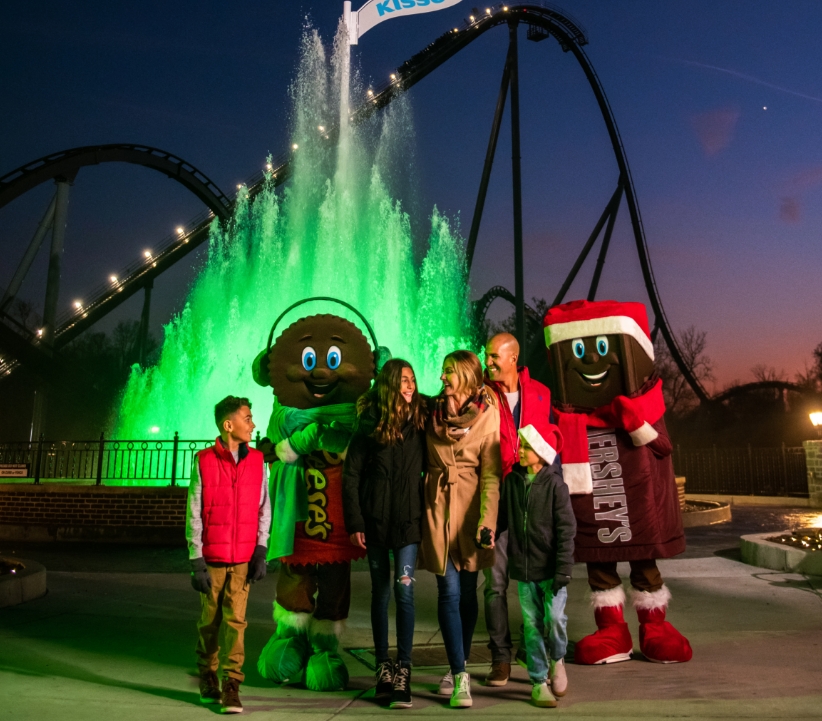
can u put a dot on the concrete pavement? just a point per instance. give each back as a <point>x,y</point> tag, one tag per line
<point>119,645</point>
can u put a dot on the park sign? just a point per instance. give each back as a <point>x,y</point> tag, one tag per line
<point>375,11</point>
<point>14,470</point>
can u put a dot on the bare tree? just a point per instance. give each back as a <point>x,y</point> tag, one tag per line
<point>679,396</point>
<point>24,312</point>
<point>763,373</point>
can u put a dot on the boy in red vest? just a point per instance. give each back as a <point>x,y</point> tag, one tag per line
<point>228,520</point>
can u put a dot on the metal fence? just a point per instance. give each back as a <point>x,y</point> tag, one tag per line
<point>747,471</point>
<point>116,463</point>
<point>735,471</point>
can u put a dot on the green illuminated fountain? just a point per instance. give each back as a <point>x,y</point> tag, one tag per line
<point>335,230</point>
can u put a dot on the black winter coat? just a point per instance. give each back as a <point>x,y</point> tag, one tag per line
<point>540,523</point>
<point>383,486</point>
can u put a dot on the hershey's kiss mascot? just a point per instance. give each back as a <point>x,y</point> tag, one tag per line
<point>617,463</point>
<point>318,368</point>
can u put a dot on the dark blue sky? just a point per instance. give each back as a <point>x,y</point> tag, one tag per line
<point>730,192</point>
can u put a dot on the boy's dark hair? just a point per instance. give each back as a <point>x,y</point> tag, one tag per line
<point>227,406</point>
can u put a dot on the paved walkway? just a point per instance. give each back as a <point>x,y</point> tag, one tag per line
<point>118,645</point>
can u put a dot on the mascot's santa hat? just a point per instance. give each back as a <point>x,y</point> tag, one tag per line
<point>581,319</point>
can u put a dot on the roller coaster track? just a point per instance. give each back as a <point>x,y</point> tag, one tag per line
<point>543,20</point>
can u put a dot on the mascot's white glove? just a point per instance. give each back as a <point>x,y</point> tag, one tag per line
<point>285,452</point>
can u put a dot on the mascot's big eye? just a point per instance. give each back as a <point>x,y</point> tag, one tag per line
<point>602,345</point>
<point>334,357</point>
<point>309,358</point>
<point>578,347</point>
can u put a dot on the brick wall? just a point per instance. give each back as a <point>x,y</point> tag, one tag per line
<point>813,460</point>
<point>59,511</point>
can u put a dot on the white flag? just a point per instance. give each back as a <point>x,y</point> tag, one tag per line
<point>375,11</point>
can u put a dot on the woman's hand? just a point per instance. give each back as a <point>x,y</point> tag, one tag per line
<point>488,540</point>
<point>358,539</point>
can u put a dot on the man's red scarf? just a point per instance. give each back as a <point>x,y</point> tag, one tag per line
<point>635,415</point>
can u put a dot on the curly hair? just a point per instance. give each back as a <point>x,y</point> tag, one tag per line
<point>390,408</point>
<point>227,407</point>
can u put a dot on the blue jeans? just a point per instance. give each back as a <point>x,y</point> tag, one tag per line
<point>540,607</point>
<point>405,559</point>
<point>457,611</point>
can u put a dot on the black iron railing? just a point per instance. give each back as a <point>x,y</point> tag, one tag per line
<point>745,471</point>
<point>111,462</point>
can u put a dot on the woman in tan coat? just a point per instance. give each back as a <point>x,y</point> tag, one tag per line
<point>461,498</point>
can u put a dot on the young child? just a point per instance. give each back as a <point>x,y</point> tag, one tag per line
<point>228,521</point>
<point>536,509</point>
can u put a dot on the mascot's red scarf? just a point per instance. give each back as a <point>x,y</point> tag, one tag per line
<point>634,415</point>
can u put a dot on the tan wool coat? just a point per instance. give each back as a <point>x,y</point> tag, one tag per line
<point>461,494</point>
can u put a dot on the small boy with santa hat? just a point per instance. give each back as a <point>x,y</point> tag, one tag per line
<point>536,509</point>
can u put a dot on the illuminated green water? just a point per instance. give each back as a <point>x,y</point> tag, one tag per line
<point>335,230</point>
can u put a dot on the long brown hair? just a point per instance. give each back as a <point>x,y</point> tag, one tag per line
<point>390,408</point>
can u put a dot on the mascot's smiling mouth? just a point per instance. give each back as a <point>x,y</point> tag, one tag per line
<point>595,380</point>
<point>320,390</point>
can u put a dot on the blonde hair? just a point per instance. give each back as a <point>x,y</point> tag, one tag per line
<point>468,369</point>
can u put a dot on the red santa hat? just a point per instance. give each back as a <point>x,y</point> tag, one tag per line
<point>582,318</point>
<point>544,438</point>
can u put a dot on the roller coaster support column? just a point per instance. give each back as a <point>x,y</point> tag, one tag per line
<point>142,337</point>
<point>58,234</point>
<point>519,289</point>
<point>28,258</point>
<point>489,162</point>
<point>606,240</point>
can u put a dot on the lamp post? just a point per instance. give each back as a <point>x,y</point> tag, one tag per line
<point>813,462</point>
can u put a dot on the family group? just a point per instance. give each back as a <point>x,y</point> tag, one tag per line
<point>488,476</point>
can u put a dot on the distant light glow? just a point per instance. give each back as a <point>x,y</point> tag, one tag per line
<point>180,230</point>
<point>155,429</point>
<point>393,76</point>
<point>764,107</point>
<point>147,253</point>
<point>295,146</point>
<point>78,304</point>
<point>268,166</point>
<point>113,278</point>
<point>321,128</point>
<point>816,418</point>
<point>487,11</point>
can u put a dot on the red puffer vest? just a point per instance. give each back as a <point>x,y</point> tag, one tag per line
<point>231,503</point>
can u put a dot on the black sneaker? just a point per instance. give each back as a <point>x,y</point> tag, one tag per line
<point>401,694</point>
<point>230,697</point>
<point>384,676</point>
<point>209,687</point>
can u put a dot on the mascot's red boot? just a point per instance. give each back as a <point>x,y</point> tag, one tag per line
<point>659,641</point>
<point>612,641</point>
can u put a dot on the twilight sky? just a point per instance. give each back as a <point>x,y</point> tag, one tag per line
<point>719,106</point>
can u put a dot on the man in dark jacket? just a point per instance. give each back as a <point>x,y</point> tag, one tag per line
<point>535,509</point>
<point>521,401</point>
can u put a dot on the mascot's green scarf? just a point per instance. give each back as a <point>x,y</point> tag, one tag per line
<point>328,428</point>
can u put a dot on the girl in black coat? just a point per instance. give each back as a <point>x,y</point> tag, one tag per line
<point>382,502</point>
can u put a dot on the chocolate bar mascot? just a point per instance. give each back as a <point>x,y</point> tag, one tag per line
<point>616,460</point>
<point>318,368</point>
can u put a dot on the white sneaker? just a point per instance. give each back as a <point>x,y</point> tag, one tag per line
<point>446,685</point>
<point>541,696</point>
<point>461,698</point>
<point>559,679</point>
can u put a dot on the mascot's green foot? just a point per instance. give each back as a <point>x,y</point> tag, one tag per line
<point>326,670</point>
<point>284,657</point>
